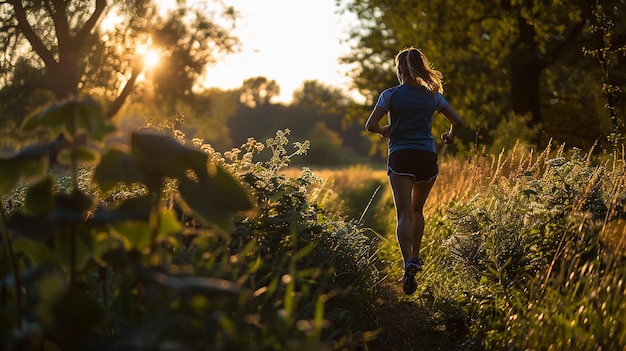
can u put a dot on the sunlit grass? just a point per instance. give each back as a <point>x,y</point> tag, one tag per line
<point>525,248</point>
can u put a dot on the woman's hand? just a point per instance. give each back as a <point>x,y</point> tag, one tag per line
<point>384,131</point>
<point>447,139</point>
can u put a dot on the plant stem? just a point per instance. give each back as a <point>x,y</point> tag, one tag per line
<point>14,266</point>
<point>72,255</point>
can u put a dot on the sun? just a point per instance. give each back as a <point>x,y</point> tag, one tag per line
<point>151,58</point>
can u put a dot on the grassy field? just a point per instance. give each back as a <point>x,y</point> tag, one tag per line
<point>149,248</point>
<point>523,250</point>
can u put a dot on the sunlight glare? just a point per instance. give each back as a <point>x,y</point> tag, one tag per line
<point>151,58</point>
<point>112,20</point>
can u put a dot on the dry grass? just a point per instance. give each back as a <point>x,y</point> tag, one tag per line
<point>460,181</point>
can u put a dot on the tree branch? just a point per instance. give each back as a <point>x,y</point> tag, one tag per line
<point>59,17</point>
<point>91,22</point>
<point>29,33</point>
<point>128,88</point>
<point>7,27</point>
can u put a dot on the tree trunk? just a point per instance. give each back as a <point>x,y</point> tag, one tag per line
<point>525,93</point>
<point>526,67</point>
<point>63,76</point>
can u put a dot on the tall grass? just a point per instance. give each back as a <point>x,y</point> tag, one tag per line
<point>530,248</point>
<point>524,250</point>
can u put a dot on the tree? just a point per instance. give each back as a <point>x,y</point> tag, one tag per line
<point>609,53</point>
<point>315,96</point>
<point>500,56</point>
<point>258,91</point>
<point>94,47</point>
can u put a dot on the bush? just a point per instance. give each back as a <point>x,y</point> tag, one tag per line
<point>138,249</point>
<point>524,260</point>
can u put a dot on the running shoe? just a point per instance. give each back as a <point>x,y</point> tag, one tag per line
<point>408,281</point>
<point>416,263</point>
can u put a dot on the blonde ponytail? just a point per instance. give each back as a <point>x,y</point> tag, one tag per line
<point>421,69</point>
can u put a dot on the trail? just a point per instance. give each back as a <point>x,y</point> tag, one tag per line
<point>409,325</point>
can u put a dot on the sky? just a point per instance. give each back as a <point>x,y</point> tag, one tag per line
<point>288,41</point>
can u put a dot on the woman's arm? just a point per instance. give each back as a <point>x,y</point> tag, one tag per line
<point>455,124</point>
<point>373,122</point>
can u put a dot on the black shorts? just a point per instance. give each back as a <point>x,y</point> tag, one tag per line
<point>421,165</point>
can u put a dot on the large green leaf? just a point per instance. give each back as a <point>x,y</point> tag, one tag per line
<point>91,119</point>
<point>69,314</point>
<point>30,162</point>
<point>83,245</point>
<point>53,117</point>
<point>9,176</point>
<point>71,117</point>
<point>160,156</point>
<point>82,154</point>
<point>37,228</point>
<point>138,234</point>
<point>38,252</point>
<point>136,208</point>
<point>39,199</point>
<point>168,223</point>
<point>214,198</point>
<point>71,208</point>
<point>210,196</point>
<point>116,166</point>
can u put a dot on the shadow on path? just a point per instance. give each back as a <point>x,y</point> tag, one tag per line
<point>408,324</point>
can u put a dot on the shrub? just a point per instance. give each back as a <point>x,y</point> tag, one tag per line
<point>525,262</point>
<point>141,251</point>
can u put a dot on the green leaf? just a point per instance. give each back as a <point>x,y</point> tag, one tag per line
<point>71,208</point>
<point>39,199</point>
<point>9,176</point>
<point>91,119</point>
<point>116,166</point>
<point>84,245</point>
<point>37,228</point>
<point>214,198</point>
<point>82,154</point>
<point>102,242</point>
<point>30,162</point>
<point>137,233</point>
<point>137,208</point>
<point>71,117</point>
<point>168,223</point>
<point>70,313</point>
<point>53,117</point>
<point>37,252</point>
<point>51,287</point>
<point>159,156</point>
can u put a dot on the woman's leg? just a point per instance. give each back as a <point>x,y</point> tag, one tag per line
<point>402,186</point>
<point>418,199</point>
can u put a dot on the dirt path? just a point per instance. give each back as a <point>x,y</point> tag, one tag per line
<point>408,325</point>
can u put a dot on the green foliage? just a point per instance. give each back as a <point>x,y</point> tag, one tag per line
<point>513,131</point>
<point>606,49</point>
<point>526,263</point>
<point>142,251</point>
<point>499,57</point>
<point>326,147</point>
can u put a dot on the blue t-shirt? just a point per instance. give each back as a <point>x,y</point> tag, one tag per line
<point>411,110</point>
